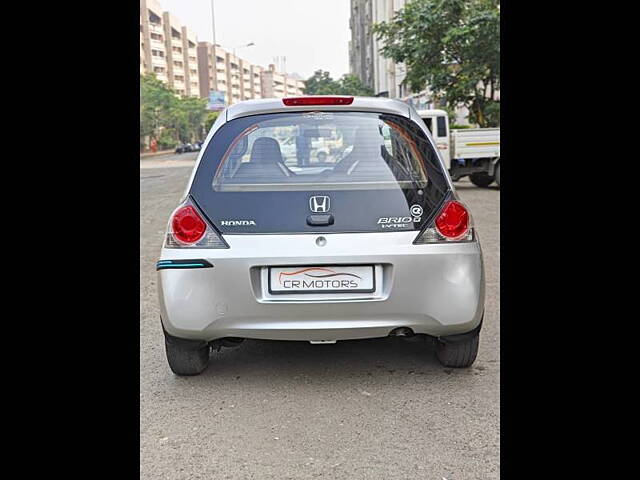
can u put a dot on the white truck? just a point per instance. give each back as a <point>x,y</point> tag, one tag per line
<point>474,151</point>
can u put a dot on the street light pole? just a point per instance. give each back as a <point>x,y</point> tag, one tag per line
<point>213,25</point>
<point>215,58</point>
<point>250,44</point>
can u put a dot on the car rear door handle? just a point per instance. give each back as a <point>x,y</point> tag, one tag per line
<point>320,220</point>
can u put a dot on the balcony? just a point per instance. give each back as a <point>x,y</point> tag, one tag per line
<point>155,28</point>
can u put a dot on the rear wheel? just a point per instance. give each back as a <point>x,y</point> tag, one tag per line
<point>186,357</point>
<point>481,179</point>
<point>497,174</point>
<point>458,351</point>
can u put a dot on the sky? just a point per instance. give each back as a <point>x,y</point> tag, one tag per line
<point>311,34</point>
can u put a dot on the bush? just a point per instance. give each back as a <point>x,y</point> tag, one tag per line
<point>460,127</point>
<point>167,139</point>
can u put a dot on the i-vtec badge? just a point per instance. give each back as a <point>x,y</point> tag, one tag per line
<point>238,223</point>
<point>395,222</point>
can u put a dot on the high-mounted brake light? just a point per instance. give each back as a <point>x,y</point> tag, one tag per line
<point>453,224</point>
<point>320,100</point>
<point>188,229</point>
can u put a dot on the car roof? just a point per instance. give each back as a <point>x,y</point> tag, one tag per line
<point>430,112</point>
<point>359,104</point>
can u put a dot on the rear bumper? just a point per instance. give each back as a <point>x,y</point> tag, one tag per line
<point>433,289</point>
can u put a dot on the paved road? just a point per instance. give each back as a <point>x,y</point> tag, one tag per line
<point>368,409</point>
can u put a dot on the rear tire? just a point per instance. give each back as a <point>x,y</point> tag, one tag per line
<point>481,179</point>
<point>459,353</point>
<point>497,174</point>
<point>186,357</point>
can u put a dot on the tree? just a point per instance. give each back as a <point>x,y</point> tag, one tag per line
<point>351,85</point>
<point>321,83</point>
<point>453,47</point>
<point>188,115</point>
<point>167,117</point>
<point>156,100</point>
<point>210,120</point>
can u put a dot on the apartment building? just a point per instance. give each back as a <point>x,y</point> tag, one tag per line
<point>279,85</point>
<point>293,86</point>
<point>256,80</point>
<point>383,75</point>
<point>233,79</point>
<point>214,71</point>
<point>220,71</point>
<point>240,80</point>
<point>168,49</point>
<point>190,50</point>
<point>152,45</point>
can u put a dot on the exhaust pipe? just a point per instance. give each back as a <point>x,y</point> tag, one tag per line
<point>401,332</point>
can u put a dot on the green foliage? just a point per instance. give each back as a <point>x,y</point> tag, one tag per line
<point>167,117</point>
<point>351,85</point>
<point>452,46</point>
<point>167,139</point>
<point>321,83</point>
<point>210,120</point>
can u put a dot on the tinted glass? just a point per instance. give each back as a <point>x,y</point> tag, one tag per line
<point>322,150</point>
<point>258,173</point>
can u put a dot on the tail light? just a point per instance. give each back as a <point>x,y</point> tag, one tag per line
<point>189,229</point>
<point>452,224</point>
<point>319,100</point>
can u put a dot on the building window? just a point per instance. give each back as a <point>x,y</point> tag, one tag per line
<point>156,36</point>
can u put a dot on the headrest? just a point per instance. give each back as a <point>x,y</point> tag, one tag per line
<point>265,150</point>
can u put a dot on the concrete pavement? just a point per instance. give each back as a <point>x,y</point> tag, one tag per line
<point>368,409</point>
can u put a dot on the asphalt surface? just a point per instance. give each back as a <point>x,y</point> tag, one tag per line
<point>367,409</point>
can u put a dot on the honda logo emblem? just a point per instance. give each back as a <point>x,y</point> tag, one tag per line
<point>320,204</point>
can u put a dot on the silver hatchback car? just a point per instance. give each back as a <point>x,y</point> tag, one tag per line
<point>319,219</point>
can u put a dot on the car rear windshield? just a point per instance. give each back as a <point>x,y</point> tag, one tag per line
<point>335,154</point>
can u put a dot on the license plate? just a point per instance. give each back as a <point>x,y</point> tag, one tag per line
<point>322,279</point>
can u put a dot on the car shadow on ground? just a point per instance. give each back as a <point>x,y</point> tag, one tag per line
<point>471,186</point>
<point>287,363</point>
